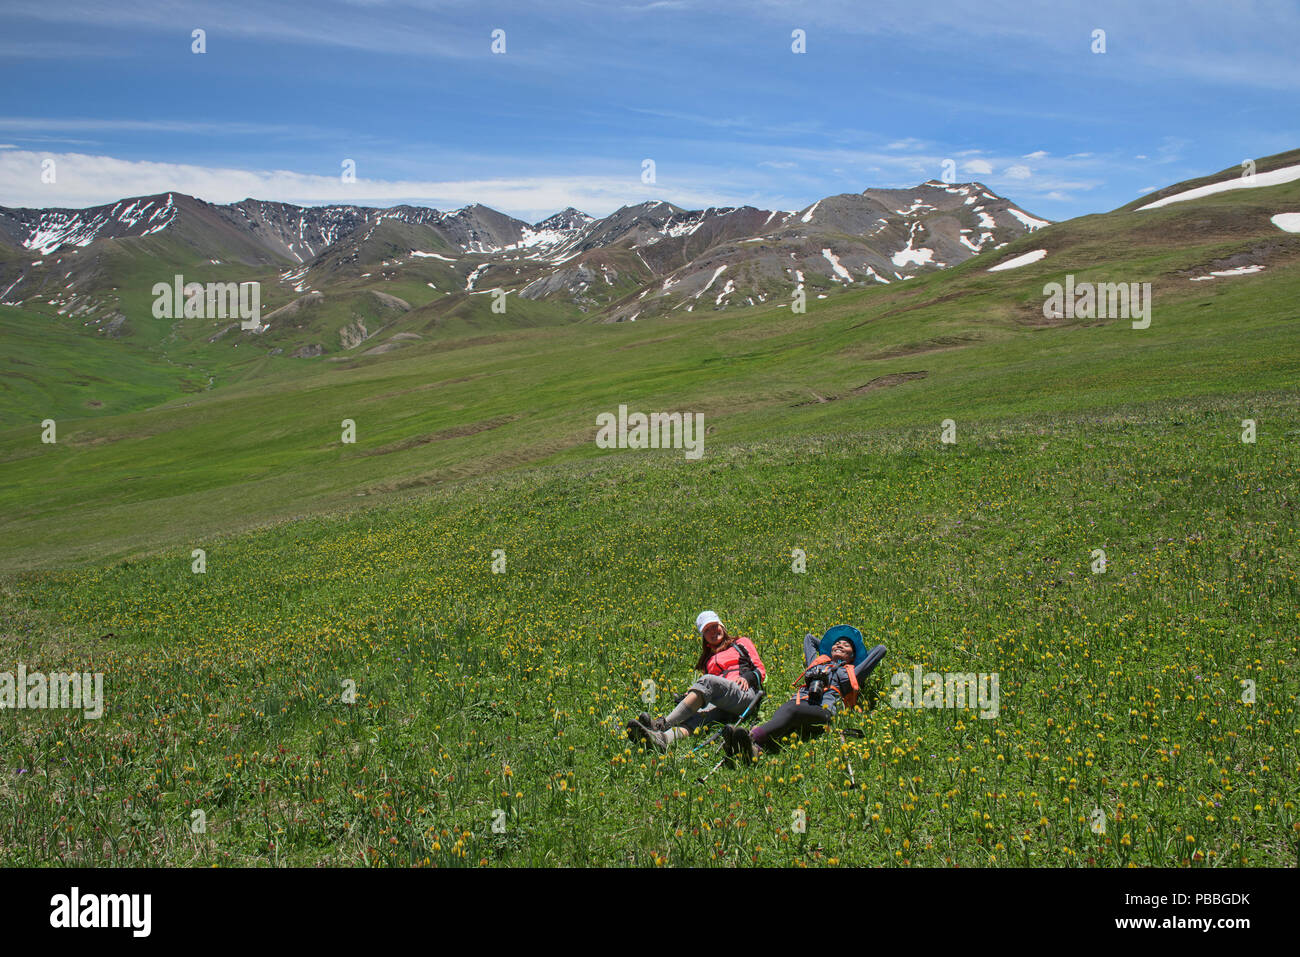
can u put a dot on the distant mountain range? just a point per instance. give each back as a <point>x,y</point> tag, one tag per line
<point>640,261</point>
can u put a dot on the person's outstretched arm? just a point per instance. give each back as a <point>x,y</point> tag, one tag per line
<point>868,664</point>
<point>809,649</point>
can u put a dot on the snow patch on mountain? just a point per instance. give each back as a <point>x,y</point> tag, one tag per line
<point>1030,222</point>
<point>910,255</point>
<point>1290,222</point>
<point>81,227</point>
<point>836,266</point>
<point>686,227</point>
<point>1239,271</point>
<point>1274,177</point>
<point>716,273</point>
<point>1018,261</point>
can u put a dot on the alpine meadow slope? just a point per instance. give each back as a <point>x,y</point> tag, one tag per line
<point>497,590</point>
<point>251,436</point>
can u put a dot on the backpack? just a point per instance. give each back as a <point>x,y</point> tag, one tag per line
<point>748,670</point>
<point>826,668</point>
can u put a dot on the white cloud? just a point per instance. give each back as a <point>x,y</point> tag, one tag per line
<point>1035,155</point>
<point>978,167</point>
<point>398,31</point>
<point>22,124</point>
<point>1254,50</point>
<point>1017,172</point>
<point>85,180</point>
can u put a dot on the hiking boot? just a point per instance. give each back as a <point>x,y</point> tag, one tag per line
<point>729,739</point>
<point>737,741</point>
<point>635,729</point>
<point>654,724</point>
<point>649,737</point>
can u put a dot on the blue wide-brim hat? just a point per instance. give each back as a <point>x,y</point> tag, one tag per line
<point>844,631</point>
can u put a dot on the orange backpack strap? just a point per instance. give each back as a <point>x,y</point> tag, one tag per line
<point>851,699</point>
<point>819,660</point>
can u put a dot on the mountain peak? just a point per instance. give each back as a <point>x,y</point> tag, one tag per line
<point>566,219</point>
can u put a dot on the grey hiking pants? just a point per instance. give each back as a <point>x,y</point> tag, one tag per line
<point>725,701</point>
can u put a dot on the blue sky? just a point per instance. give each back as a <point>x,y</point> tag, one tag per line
<point>1010,92</point>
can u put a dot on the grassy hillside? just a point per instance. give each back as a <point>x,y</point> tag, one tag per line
<point>477,393</point>
<point>1160,691</point>
<point>485,696</point>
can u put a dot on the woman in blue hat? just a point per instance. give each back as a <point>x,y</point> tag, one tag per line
<point>835,668</point>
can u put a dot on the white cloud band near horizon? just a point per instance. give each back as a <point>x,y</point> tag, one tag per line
<point>83,180</point>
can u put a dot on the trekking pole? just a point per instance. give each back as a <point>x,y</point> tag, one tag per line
<point>853,783</point>
<point>721,760</point>
<point>758,695</point>
<point>707,741</point>
<point>711,770</point>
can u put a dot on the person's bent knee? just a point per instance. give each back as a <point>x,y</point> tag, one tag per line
<point>710,687</point>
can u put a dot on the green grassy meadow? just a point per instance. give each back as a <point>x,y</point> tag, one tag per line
<point>1161,691</point>
<point>479,692</point>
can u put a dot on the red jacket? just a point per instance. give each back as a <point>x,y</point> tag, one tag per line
<point>727,661</point>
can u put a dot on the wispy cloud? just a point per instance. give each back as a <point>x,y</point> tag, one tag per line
<point>389,28</point>
<point>11,49</point>
<point>711,91</point>
<point>19,124</point>
<point>83,180</point>
<point>1250,45</point>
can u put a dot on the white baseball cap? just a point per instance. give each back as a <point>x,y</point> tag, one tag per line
<point>705,619</point>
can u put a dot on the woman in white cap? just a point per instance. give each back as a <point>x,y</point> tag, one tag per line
<point>731,682</point>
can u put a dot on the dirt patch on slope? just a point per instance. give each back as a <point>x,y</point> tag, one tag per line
<point>290,308</point>
<point>937,344</point>
<point>432,385</point>
<point>390,300</point>
<point>885,381</point>
<point>455,432</point>
<point>880,382</point>
<point>647,342</point>
<point>1264,254</point>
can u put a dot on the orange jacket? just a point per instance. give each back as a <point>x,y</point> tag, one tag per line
<point>727,661</point>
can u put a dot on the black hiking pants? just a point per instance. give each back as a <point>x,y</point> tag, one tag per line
<point>791,717</point>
